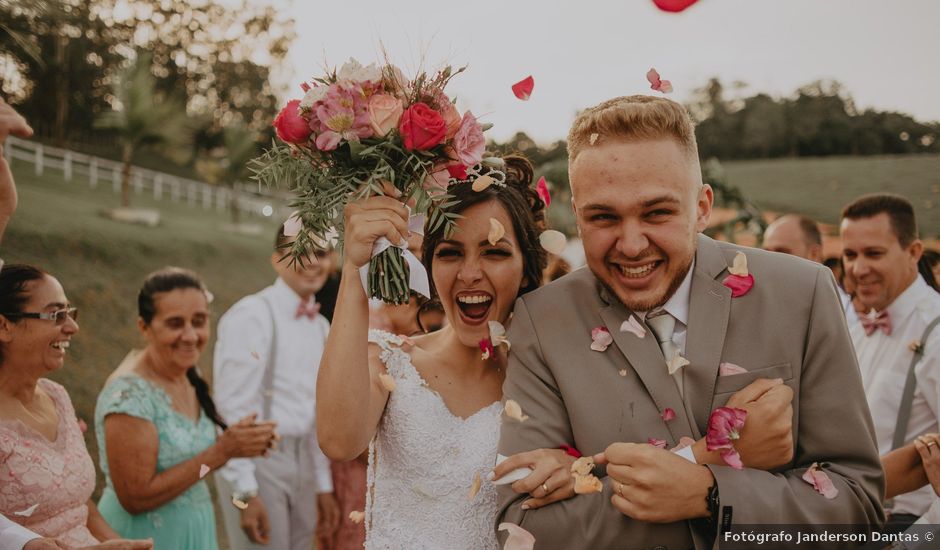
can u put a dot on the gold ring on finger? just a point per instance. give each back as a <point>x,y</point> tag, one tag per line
<point>931,443</point>
<point>620,489</point>
<point>545,488</point>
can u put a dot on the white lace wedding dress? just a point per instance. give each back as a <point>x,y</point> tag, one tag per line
<point>422,464</point>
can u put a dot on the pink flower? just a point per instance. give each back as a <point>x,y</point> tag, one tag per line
<point>421,127</point>
<point>523,88</point>
<point>342,114</point>
<point>437,181</point>
<point>820,481</point>
<point>657,83</point>
<point>724,428</point>
<point>457,171</point>
<point>487,348</point>
<point>384,113</point>
<point>659,443</point>
<point>451,115</point>
<point>542,189</point>
<point>727,369</point>
<point>290,126</point>
<point>668,414</point>
<point>469,142</point>
<point>601,339</point>
<point>739,285</point>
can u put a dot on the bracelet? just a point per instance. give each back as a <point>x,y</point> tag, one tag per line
<point>713,503</point>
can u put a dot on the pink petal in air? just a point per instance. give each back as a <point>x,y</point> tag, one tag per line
<point>518,539</point>
<point>727,369</point>
<point>27,512</point>
<point>820,481</point>
<point>656,83</point>
<point>739,285</point>
<point>542,189</point>
<point>660,443</point>
<point>601,339</point>
<point>732,458</point>
<point>634,327</point>
<point>82,425</point>
<point>673,6</point>
<point>203,470</point>
<point>668,414</point>
<point>523,88</point>
<point>684,442</point>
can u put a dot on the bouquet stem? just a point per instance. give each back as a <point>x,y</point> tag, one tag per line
<point>389,277</point>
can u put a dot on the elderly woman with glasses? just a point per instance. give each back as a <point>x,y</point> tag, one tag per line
<point>46,474</point>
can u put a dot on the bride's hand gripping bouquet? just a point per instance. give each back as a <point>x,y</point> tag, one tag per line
<point>356,131</point>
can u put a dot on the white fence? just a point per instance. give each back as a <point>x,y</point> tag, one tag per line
<point>97,171</point>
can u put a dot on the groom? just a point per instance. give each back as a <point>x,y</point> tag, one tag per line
<point>640,206</point>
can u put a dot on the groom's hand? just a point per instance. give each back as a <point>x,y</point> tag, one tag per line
<point>654,485</point>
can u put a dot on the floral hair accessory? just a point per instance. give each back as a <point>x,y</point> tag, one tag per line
<point>724,428</point>
<point>481,175</point>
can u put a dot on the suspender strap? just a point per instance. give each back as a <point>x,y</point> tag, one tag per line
<point>907,398</point>
<point>267,382</point>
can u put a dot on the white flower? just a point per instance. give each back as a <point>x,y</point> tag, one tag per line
<point>314,94</point>
<point>353,70</point>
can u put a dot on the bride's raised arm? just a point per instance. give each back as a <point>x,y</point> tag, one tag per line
<point>350,396</point>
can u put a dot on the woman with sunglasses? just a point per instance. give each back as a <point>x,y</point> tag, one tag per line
<point>46,474</point>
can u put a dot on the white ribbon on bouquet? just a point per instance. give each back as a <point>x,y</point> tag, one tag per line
<point>418,275</point>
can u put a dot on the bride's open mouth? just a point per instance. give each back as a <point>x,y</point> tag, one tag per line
<point>473,307</point>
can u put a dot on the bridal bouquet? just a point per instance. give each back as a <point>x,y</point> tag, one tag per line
<point>359,129</point>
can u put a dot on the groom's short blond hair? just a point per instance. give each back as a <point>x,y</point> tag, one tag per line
<point>632,118</point>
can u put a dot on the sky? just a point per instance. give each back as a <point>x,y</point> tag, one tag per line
<point>580,52</point>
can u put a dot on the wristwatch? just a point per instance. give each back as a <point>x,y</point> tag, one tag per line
<point>240,498</point>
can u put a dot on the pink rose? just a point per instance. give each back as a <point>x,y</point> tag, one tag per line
<point>384,113</point>
<point>290,126</point>
<point>451,118</point>
<point>469,142</point>
<point>421,127</point>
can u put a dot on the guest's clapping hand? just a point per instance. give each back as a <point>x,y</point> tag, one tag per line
<point>928,446</point>
<point>655,485</point>
<point>368,220</point>
<point>248,438</point>
<point>550,480</point>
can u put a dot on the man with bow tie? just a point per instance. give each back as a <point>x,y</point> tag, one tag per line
<point>267,355</point>
<point>880,250</point>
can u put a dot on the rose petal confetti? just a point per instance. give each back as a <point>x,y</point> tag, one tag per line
<point>593,139</point>
<point>356,516</point>
<point>724,428</point>
<point>457,171</point>
<point>601,339</point>
<point>673,6</point>
<point>739,265</point>
<point>475,485</point>
<point>684,442</point>
<point>623,372</point>
<point>523,88</point>
<point>820,481</point>
<point>541,188</point>
<point>659,443</point>
<point>553,241</point>
<point>518,539</point>
<point>293,226</point>
<point>634,327</point>
<point>82,425</point>
<point>486,346</point>
<point>27,512</point>
<point>498,334</point>
<point>728,369</point>
<point>405,339</point>
<point>482,182</point>
<point>588,484</point>
<point>387,382</point>
<point>582,466</point>
<point>676,363</point>
<point>497,231</point>
<point>668,414</point>
<point>657,83</point>
<point>571,451</point>
<point>739,285</point>
<point>203,470</point>
<point>256,355</point>
<point>514,411</point>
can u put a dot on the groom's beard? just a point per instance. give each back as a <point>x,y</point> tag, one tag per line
<point>650,305</point>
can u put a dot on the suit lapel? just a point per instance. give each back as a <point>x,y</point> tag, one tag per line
<point>644,355</point>
<point>709,309</point>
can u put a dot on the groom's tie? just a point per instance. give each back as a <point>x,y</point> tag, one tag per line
<point>663,325</point>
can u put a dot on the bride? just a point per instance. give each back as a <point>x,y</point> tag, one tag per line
<point>432,405</point>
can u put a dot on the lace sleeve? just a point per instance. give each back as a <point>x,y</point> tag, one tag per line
<point>128,395</point>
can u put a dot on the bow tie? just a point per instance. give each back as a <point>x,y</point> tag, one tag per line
<point>309,309</point>
<point>873,323</point>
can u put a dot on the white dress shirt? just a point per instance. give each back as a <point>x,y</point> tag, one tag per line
<point>241,353</point>
<point>14,536</point>
<point>884,361</point>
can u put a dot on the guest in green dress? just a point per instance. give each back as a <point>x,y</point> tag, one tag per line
<point>157,427</point>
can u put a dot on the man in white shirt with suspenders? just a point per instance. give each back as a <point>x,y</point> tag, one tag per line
<point>898,349</point>
<point>267,355</point>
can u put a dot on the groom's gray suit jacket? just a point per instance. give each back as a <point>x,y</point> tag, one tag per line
<point>790,326</point>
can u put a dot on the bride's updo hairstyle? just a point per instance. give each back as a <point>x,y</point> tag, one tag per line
<point>522,203</point>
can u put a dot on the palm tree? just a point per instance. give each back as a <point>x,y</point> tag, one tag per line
<point>142,118</point>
